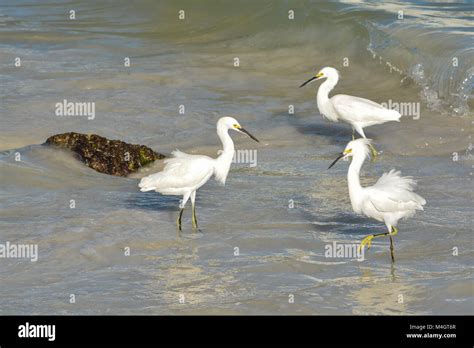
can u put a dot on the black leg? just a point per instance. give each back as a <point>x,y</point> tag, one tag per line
<point>195,223</point>
<point>391,249</point>
<point>178,221</point>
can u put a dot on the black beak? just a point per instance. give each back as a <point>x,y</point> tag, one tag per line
<point>311,79</point>
<point>337,159</point>
<point>250,135</point>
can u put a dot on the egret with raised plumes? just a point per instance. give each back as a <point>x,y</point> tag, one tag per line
<point>389,200</point>
<point>184,174</point>
<point>358,112</point>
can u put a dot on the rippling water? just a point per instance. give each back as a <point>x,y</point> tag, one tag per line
<point>425,58</point>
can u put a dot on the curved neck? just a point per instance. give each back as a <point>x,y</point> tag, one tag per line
<point>355,190</point>
<point>354,172</point>
<point>227,143</point>
<point>324,105</point>
<point>224,160</point>
<point>326,87</point>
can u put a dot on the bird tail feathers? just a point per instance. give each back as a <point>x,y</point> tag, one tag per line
<point>394,115</point>
<point>402,184</point>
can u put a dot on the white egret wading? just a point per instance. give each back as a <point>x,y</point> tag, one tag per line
<point>389,200</point>
<point>358,112</point>
<point>184,174</point>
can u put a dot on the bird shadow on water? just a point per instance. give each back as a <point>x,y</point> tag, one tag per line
<point>155,202</point>
<point>337,133</point>
<point>344,224</point>
<point>354,227</point>
<point>152,201</point>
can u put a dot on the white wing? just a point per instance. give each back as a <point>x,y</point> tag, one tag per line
<point>362,110</point>
<point>182,172</point>
<point>394,193</point>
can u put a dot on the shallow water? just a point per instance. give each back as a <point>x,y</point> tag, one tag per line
<point>190,63</point>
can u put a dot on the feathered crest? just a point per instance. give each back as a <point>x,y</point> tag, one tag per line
<point>361,145</point>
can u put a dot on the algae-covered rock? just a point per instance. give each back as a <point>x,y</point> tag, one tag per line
<point>106,156</point>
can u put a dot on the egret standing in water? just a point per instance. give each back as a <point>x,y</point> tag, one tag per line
<point>389,200</point>
<point>358,112</point>
<point>184,174</point>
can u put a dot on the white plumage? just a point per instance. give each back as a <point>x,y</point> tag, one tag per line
<point>389,200</point>
<point>358,112</point>
<point>184,174</point>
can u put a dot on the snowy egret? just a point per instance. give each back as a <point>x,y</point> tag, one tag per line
<point>184,174</point>
<point>358,112</point>
<point>389,200</point>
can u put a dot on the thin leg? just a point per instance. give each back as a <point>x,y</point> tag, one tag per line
<point>373,151</point>
<point>367,241</point>
<point>194,219</point>
<point>182,205</point>
<point>353,134</point>
<point>394,231</point>
<point>391,249</point>
<point>359,130</point>
<point>178,220</point>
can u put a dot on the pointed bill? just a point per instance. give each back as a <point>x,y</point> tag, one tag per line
<point>310,80</point>
<point>337,159</point>
<point>248,133</point>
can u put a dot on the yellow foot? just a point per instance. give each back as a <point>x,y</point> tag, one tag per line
<point>374,152</point>
<point>366,241</point>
